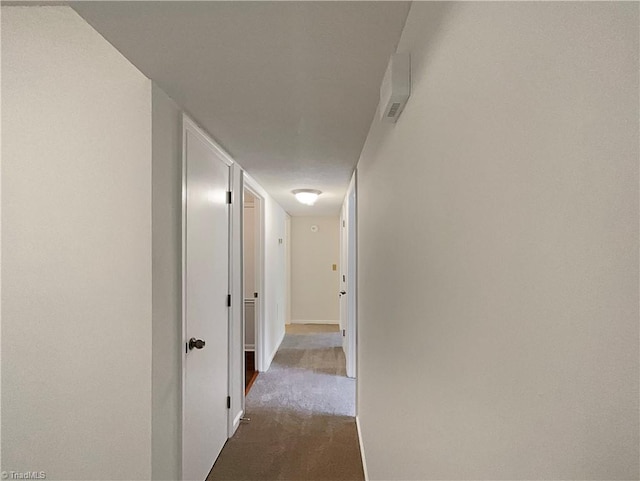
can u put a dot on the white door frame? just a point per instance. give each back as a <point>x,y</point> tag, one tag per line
<point>259,216</point>
<point>351,249</point>
<point>236,326</point>
<point>189,125</point>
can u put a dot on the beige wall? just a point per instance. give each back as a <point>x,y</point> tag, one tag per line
<point>76,251</point>
<point>167,287</point>
<point>314,285</point>
<point>273,301</point>
<point>249,247</point>
<point>498,248</point>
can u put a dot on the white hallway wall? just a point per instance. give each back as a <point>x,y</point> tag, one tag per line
<point>91,202</point>
<point>314,285</point>
<point>275,275</point>
<point>76,251</point>
<point>498,248</point>
<point>166,416</point>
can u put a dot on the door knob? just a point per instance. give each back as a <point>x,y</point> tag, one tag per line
<point>342,293</point>
<point>197,343</point>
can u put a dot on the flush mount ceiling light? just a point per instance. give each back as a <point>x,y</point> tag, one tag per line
<point>306,196</point>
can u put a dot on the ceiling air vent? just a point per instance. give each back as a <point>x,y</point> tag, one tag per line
<point>393,111</point>
<point>396,87</point>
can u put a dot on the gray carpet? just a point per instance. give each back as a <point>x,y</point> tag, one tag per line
<point>302,418</point>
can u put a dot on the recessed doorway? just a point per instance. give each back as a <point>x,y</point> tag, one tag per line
<point>251,256</point>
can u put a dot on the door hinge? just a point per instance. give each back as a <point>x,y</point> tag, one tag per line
<point>255,295</point>
<point>228,197</point>
<point>228,402</point>
<point>343,224</point>
<point>228,300</point>
<point>344,333</point>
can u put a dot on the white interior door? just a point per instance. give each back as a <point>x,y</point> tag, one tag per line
<point>343,274</point>
<point>351,280</point>
<point>206,286</point>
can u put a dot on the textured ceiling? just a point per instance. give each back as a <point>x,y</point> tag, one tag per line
<point>289,89</point>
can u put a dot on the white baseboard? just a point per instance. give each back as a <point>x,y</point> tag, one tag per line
<point>313,321</point>
<point>267,362</point>
<point>364,460</point>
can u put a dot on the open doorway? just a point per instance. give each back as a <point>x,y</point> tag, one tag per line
<point>250,290</point>
<point>251,257</point>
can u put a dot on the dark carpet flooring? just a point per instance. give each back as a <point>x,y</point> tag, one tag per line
<point>302,424</point>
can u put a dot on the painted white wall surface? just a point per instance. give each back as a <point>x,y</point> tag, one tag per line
<point>498,248</point>
<point>167,287</point>
<point>275,276</point>
<point>76,251</point>
<point>314,283</point>
<point>274,300</point>
<point>249,251</point>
